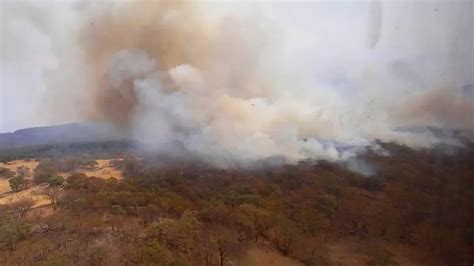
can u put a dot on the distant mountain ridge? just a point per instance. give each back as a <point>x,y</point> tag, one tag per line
<point>57,134</point>
<point>445,134</point>
<point>102,132</point>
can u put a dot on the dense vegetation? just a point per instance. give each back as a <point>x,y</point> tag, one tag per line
<point>192,214</point>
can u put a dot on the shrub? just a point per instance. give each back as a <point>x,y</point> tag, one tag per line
<point>5,172</point>
<point>77,181</point>
<point>17,183</point>
<point>55,181</point>
<point>12,232</point>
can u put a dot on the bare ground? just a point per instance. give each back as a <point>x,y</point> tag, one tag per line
<point>104,170</point>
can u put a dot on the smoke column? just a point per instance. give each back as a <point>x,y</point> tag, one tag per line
<point>239,82</point>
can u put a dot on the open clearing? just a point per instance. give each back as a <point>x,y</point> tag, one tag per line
<point>13,165</point>
<point>32,193</point>
<point>104,170</point>
<point>4,186</point>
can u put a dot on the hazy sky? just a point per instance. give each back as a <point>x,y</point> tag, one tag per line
<point>352,49</point>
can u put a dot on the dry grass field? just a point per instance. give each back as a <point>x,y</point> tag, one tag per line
<point>13,165</point>
<point>104,170</point>
<point>33,193</point>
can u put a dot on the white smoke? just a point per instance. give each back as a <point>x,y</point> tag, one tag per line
<point>208,121</point>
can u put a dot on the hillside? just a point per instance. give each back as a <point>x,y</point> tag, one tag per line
<point>414,209</point>
<point>58,134</point>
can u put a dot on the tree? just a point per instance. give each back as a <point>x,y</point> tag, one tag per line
<point>53,194</point>
<point>6,173</point>
<point>309,219</point>
<point>88,163</point>
<point>12,231</point>
<point>205,248</point>
<point>21,208</point>
<point>17,183</point>
<point>77,181</point>
<point>176,234</point>
<point>352,214</point>
<point>226,243</point>
<point>23,171</point>
<point>44,170</point>
<point>252,221</point>
<point>56,180</point>
<point>154,253</point>
<point>217,242</point>
<point>284,235</point>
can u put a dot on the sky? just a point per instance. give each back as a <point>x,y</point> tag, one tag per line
<point>343,70</point>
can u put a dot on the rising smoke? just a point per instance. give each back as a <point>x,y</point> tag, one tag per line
<point>243,82</point>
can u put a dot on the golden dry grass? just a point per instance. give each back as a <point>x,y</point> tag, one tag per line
<point>4,186</point>
<point>104,170</point>
<point>13,165</point>
<point>32,193</point>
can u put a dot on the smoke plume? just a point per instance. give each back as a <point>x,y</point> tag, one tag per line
<point>243,82</point>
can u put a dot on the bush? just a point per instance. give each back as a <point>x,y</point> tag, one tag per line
<point>23,171</point>
<point>157,254</point>
<point>77,181</point>
<point>12,232</point>
<point>40,179</point>
<point>43,171</point>
<point>5,172</point>
<point>55,181</point>
<point>17,183</point>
